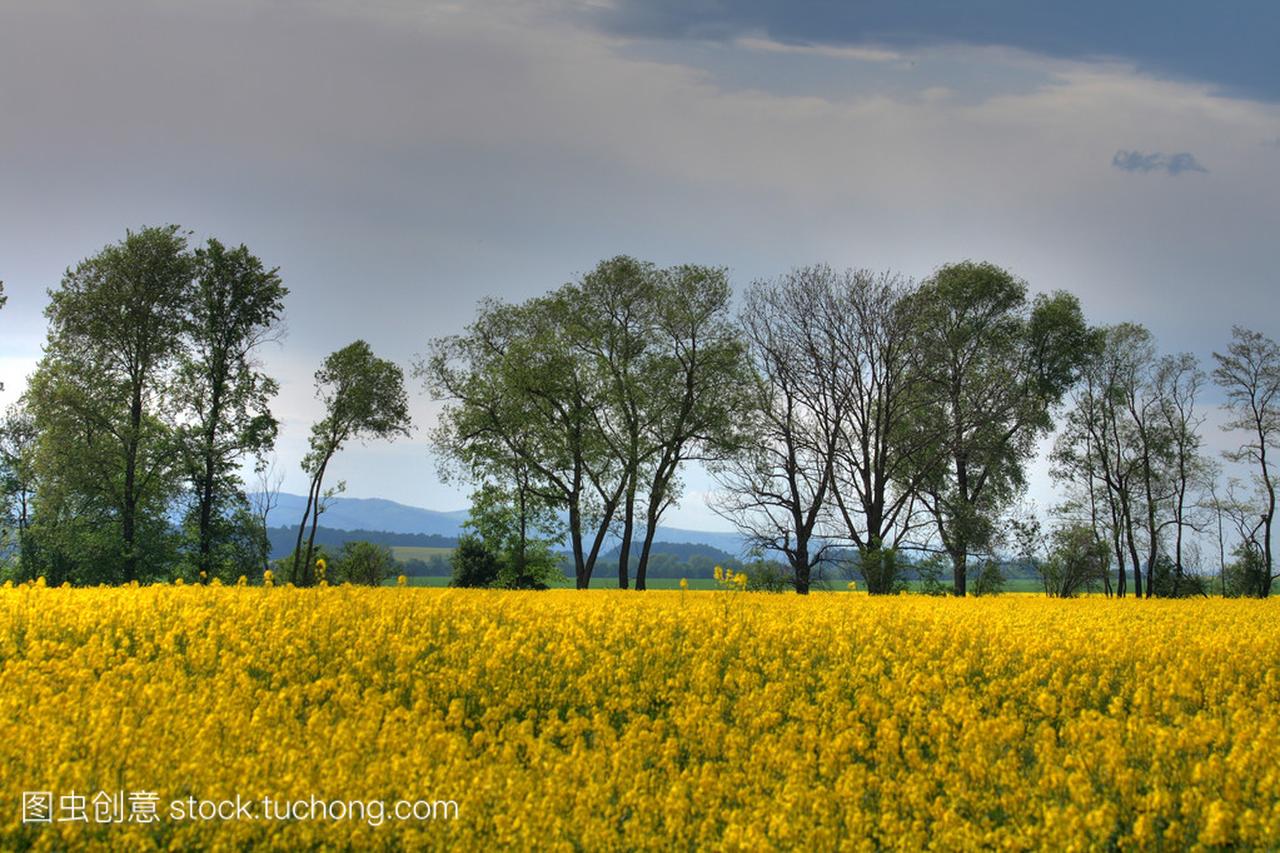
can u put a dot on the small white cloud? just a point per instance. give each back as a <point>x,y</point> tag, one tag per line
<point>857,54</point>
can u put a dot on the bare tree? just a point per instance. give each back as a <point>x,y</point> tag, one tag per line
<point>1250,374</point>
<point>776,491</point>
<point>881,452</point>
<point>269,478</point>
<point>1177,382</point>
<point>836,458</point>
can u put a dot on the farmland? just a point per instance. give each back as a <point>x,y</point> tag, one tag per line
<point>605,719</point>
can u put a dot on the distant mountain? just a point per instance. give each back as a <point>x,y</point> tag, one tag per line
<point>391,517</point>
<point>283,539</point>
<point>370,514</point>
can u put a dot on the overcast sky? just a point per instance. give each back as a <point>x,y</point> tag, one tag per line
<point>399,160</point>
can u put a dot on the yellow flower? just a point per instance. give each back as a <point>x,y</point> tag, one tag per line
<point>913,722</point>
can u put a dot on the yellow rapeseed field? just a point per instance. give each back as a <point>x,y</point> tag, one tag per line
<point>611,720</point>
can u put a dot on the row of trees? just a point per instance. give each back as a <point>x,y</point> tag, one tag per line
<point>848,417</point>
<point>123,459</point>
<point>858,418</point>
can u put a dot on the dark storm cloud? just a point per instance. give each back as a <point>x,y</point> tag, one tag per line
<point>1173,164</point>
<point>1230,45</point>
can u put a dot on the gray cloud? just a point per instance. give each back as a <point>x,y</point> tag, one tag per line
<point>398,165</point>
<point>1171,164</point>
<point>1233,50</point>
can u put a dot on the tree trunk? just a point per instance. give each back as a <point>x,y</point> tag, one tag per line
<point>802,568</point>
<point>206,486</point>
<point>642,565</point>
<point>582,576</point>
<point>1133,555</point>
<point>129,513</point>
<point>302,527</point>
<point>308,571</point>
<point>959,566</point>
<point>628,532</point>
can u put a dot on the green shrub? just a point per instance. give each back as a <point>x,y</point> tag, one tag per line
<point>364,563</point>
<point>474,564</point>
<point>990,580</point>
<point>768,576</point>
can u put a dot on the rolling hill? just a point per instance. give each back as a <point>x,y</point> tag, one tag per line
<point>379,514</point>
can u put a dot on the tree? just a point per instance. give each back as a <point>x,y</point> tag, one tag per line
<point>776,490</point>
<point>993,364</point>
<point>518,530</point>
<point>1177,382</point>
<point>1102,446</point>
<point>236,307</point>
<point>1249,373</point>
<point>364,563</point>
<point>102,398</point>
<point>612,321</point>
<point>881,454</point>
<point>702,381</point>
<point>593,397</point>
<point>1076,560</point>
<point>363,398</point>
<point>263,501</point>
<point>837,395</point>
<point>474,563</point>
<point>521,405</point>
<point>18,441</point>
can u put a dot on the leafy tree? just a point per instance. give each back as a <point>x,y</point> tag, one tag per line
<point>236,306</point>
<point>364,563</point>
<point>701,383</point>
<point>993,364</point>
<point>103,402</point>
<point>1249,373</point>
<point>768,576</point>
<point>283,567</point>
<point>363,398</point>
<point>239,541</point>
<point>881,569</point>
<point>521,406</point>
<point>611,315</point>
<point>519,529</point>
<point>474,563</point>
<point>1076,560</point>
<point>1245,575</point>
<point>990,580</point>
<point>18,441</point>
<point>593,397</point>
